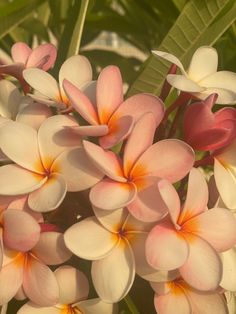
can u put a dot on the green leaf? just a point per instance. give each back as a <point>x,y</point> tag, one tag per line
<point>14,13</point>
<point>201,22</point>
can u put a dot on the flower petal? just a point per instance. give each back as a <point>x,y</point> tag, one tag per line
<point>88,239</point>
<point>217,226</point>
<point>221,79</point>
<point>77,170</point>
<point>26,182</point>
<point>80,102</point>
<point>19,142</point>
<point>91,130</point>
<point>97,306</point>
<point>20,52</point>
<point>43,56</point>
<point>21,231</point>
<point>113,275</point>
<point>76,69</point>
<point>34,115</point>
<point>32,308</point>
<point>203,268</point>
<point>42,82</point>
<point>105,161</point>
<point>109,194</point>
<point>73,285</point>
<point>171,58</point>
<point>228,281</point>
<point>9,99</point>
<point>109,92</point>
<point>195,203</point>
<point>225,96</point>
<point>204,63</point>
<point>51,248</point>
<point>166,249</point>
<point>169,159</point>
<point>139,140</point>
<point>39,283</point>
<point>184,84</point>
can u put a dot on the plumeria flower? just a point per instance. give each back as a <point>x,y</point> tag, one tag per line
<point>111,240</point>
<point>193,239</point>
<point>178,295</point>
<point>29,270</point>
<point>133,181</point>
<point>225,174</point>
<point>73,294</point>
<point>208,131</point>
<point>48,163</point>
<point>110,117</point>
<point>228,281</point>
<point>76,69</point>
<point>231,302</point>
<point>24,57</point>
<point>202,79</point>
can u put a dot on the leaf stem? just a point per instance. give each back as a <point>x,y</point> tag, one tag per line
<point>131,306</point>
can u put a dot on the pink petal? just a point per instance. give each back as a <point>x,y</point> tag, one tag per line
<point>34,115</point>
<point>43,57</point>
<point>139,140</point>
<point>54,138</point>
<point>216,226</point>
<point>19,142</point>
<point>137,105</point>
<point>170,302</point>
<point>26,182</point>
<point>91,130</point>
<point>166,249</point>
<point>167,159</point>
<point>81,103</point>
<point>118,131</point>
<point>106,161</point>
<point>51,248</point>
<point>73,285</point>
<point>20,52</point>
<point>195,203</point>
<point>50,195</point>
<point>20,230</point>
<point>109,92</point>
<point>77,170</point>
<point>39,283</point>
<point>148,205</point>
<point>171,199</point>
<point>113,275</point>
<point>88,239</point>
<point>203,268</point>
<point>225,114</point>
<point>109,194</point>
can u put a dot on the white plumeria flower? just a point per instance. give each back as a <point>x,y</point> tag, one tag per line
<point>231,302</point>
<point>48,163</point>
<point>114,241</point>
<point>74,290</point>
<point>76,69</point>
<point>202,79</point>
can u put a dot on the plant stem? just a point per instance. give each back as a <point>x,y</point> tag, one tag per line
<point>130,304</point>
<point>181,100</point>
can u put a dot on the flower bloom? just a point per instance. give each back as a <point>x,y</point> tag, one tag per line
<point>29,270</point>
<point>191,242</point>
<point>76,69</point>
<point>110,117</point>
<point>208,131</point>
<point>73,294</point>
<point>133,183</point>
<point>202,79</point>
<point>111,240</point>
<point>177,294</point>
<point>47,163</point>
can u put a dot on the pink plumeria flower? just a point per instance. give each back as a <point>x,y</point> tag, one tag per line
<point>73,294</point>
<point>225,174</point>
<point>24,57</point>
<point>208,131</point>
<point>115,242</point>
<point>202,79</point>
<point>178,295</point>
<point>76,69</point>
<point>133,182</point>
<point>48,163</point>
<point>193,239</point>
<point>110,117</point>
<point>29,270</point>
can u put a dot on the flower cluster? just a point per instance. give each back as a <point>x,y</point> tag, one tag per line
<point>144,216</point>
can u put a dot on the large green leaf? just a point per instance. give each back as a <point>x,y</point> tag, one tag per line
<point>12,14</point>
<point>201,22</point>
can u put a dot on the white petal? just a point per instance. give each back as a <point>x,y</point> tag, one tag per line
<point>183,83</point>
<point>171,58</point>
<point>9,99</point>
<point>97,306</point>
